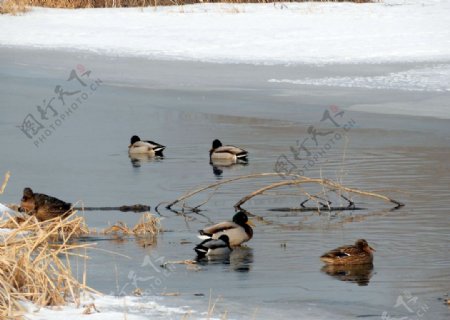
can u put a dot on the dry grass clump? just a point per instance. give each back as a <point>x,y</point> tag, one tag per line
<point>148,225</point>
<point>36,269</point>
<point>13,7</point>
<point>56,229</point>
<point>15,4</point>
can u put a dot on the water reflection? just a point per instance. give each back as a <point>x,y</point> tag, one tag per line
<point>219,166</point>
<point>137,160</point>
<point>359,274</point>
<point>239,260</point>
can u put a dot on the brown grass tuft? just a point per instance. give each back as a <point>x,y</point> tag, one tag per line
<point>13,7</point>
<point>149,225</point>
<point>34,267</point>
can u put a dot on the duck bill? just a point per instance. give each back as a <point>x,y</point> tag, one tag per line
<point>250,223</point>
<point>372,249</point>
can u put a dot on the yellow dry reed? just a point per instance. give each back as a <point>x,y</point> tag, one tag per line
<point>35,263</point>
<point>148,225</point>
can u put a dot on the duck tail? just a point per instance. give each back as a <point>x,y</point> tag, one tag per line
<point>242,156</point>
<point>201,251</point>
<point>159,150</point>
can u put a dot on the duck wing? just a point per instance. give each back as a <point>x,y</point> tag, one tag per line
<point>211,246</point>
<point>52,203</point>
<point>156,146</point>
<point>239,152</point>
<point>220,227</point>
<point>237,236</point>
<point>344,251</point>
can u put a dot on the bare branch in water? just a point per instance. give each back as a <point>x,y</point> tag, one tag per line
<point>324,182</point>
<point>214,185</point>
<point>319,199</point>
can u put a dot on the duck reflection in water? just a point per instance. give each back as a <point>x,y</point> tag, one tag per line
<point>239,259</point>
<point>219,166</point>
<point>360,274</point>
<point>137,160</point>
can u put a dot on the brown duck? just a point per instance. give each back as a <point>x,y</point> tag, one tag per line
<point>359,253</point>
<point>42,206</point>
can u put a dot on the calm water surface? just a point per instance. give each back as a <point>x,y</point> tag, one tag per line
<point>185,106</point>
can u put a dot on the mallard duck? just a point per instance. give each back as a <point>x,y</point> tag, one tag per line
<point>359,253</point>
<point>238,231</point>
<point>226,155</point>
<point>151,148</point>
<point>214,247</point>
<point>42,206</point>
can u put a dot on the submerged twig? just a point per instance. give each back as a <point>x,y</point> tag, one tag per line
<point>124,208</point>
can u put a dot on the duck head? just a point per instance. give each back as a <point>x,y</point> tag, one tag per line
<point>364,246</point>
<point>27,193</point>
<point>216,144</point>
<point>241,219</point>
<point>134,139</point>
<point>27,203</point>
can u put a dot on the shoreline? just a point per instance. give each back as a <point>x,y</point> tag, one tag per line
<point>313,33</point>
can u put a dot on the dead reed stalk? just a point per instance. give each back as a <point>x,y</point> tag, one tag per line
<point>5,182</point>
<point>35,264</point>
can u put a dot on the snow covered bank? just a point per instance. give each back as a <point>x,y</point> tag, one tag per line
<point>108,307</point>
<point>393,31</point>
<point>432,79</point>
<point>140,308</point>
<point>4,208</point>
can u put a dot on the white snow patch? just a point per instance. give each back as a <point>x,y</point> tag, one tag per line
<point>392,31</point>
<point>109,308</point>
<point>5,209</point>
<point>432,79</point>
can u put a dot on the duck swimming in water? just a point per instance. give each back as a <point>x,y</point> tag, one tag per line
<point>150,148</point>
<point>238,231</point>
<point>226,154</point>
<point>359,253</point>
<point>214,247</point>
<point>42,206</point>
